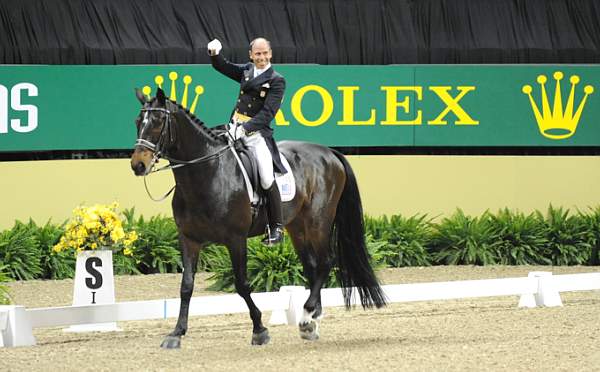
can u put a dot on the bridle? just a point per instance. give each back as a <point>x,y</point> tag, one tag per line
<point>159,151</point>
<point>156,148</point>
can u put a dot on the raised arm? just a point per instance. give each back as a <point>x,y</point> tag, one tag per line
<point>231,70</point>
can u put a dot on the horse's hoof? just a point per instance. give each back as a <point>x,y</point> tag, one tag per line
<point>309,330</point>
<point>261,338</point>
<point>171,342</point>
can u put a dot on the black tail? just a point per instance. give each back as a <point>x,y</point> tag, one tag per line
<point>354,269</point>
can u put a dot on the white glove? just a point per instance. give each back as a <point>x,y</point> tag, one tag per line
<point>214,47</point>
<point>237,131</point>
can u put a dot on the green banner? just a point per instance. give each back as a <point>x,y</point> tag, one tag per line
<point>94,107</point>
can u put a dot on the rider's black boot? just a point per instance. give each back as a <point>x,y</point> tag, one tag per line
<point>275,232</point>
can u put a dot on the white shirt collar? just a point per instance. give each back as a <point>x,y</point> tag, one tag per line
<point>260,71</point>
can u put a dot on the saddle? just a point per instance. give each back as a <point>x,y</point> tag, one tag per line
<point>250,164</point>
<point>247,162</point>
<point>249,167</point>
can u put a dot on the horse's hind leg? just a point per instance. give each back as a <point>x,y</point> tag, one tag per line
<point>238,254</point>
<point>317,265</point>
<point>313,311</point>
<point>190,251</point>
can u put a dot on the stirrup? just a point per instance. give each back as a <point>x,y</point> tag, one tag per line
<point>274,236</point>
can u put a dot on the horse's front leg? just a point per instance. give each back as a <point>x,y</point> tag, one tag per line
<point>238,253</point>
<point>189,256</point>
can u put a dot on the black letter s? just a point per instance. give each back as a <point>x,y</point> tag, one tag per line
<point>90,265</point>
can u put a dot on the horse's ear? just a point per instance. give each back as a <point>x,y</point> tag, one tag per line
<point>140,96</point>
<point>160,95</point>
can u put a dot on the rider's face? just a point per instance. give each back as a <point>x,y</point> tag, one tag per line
<point>260,54</point>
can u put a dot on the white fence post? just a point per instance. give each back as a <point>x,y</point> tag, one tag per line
<point>15,327</point>
<point>292,315</point>
<point>547,293</point>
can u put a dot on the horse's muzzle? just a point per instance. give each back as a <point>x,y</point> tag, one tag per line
<point>139,169</point>
<point>141,161</point>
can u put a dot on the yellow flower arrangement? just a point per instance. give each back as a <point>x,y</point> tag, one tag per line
<point>96,227</point>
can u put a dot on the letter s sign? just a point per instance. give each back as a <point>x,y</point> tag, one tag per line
<point>90,266</point>
<point>17,105</point>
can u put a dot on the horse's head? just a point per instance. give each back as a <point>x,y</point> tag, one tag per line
<point>154,132</point>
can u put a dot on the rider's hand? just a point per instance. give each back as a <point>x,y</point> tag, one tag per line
<point>236,130</point>
<point>239,132</point>
<point>214,47</point>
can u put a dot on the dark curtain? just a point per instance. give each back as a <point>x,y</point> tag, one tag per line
<point>301,31</point>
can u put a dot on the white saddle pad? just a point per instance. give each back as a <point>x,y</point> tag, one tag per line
<point>286,182</point>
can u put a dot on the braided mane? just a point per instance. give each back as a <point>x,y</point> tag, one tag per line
<point>212,133</point>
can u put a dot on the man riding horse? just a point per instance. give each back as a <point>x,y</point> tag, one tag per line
<point>324,219</point>
<point>260,95</point>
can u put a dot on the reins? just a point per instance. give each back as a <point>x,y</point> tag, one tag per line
<point>183,163</point>
<point>173,163</point>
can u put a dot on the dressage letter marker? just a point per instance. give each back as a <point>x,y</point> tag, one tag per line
<point>94,285</point>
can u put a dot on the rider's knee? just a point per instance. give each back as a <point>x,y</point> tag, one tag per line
<point>266,182</point>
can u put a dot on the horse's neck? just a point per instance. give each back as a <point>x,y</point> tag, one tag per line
<point>195,142</point>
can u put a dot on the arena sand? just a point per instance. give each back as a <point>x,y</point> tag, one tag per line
<point>474,335</point>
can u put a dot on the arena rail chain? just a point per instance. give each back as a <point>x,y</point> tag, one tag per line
<point>537,289</point>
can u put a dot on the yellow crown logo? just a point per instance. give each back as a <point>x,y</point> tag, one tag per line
<point>561,122</point>
<point>187,80</point>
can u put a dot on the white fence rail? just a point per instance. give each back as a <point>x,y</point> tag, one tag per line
<point>152,309</point>
<point>538,289</point>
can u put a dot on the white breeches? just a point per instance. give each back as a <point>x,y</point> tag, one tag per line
<point>261,152</point>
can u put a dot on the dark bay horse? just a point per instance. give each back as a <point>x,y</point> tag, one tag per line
<point>211,205</point>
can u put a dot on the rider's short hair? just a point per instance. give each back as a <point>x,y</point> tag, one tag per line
<point>259,38</point>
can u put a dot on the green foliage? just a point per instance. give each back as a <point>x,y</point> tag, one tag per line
<point>376,227</point>
<point>211,257</point>
<point>591,223</point>
<point>4,293</point>
<point>129,220</point>
<point>20,253</point>
<point>506,237</point>
<point>521,239</point>
<point>215,258</point>
<point>377,251</point>
<point>125,265</point>
<point>55,265</point>
<point>269,268</point>
<point>157,247</point>
<point>568,239</point>
<point>465,240</point>
<point>405,240</point>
